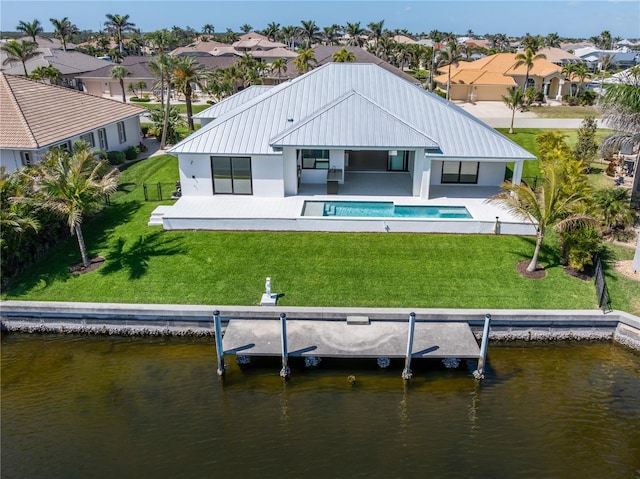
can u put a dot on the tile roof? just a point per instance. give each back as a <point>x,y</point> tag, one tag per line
<point>36,115</point>
<point>252,127</point>
<point>68,63</point>
<point>198,46</point>
<point>324,54</point>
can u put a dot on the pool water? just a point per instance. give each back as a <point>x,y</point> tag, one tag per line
<point>381,209</point>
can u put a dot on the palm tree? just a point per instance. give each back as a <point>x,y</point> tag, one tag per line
<point>208,29</point>
<point>246,28</point>
<point>279,66</point>
<point>309,30</point>
<point>448,57</point>
<point>304,60</point>
<point>355,34</point>
<point>343,56</point>
<point>186,73</point>
<point>162,67</point>
<point>552,40</point>
<point>582,73</point>
<point>63,29</point>
<point>271,32</point>
<point>289,33</point>
<point>547,207</point>
<point>73,185</point>
<point>376,29</point>
<point>119,73</point>
<point>568,72</point>
<point>22,51</point>
<point>12,216</point>
<point>42,73</point>
<point>614,208</point>
<point>331,34</point>
<point>527,59</point>
<point>513,100</point>
<point>33,29</point>
<point>117,25</point>
<point>436,36</point>
<point>620,106</point>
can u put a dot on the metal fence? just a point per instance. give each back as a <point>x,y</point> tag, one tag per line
<point>604,302</point>
<point>159,191</point>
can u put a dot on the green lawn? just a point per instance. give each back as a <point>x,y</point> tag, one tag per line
<point>564,111</point>
<point>148,265</point>
<point>181,106</point>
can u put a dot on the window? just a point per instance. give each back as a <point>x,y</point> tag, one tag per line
<point>26,158</point>
<point>460,172</point>
<point>398,160</point>
<point>315,159</point>
<point>122,136</point>
<point>102,138</point>
<point>231,175</point>
<point>66,145</point>
<point>89,139</point>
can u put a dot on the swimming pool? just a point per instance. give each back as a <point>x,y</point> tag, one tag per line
<point>381,209</point>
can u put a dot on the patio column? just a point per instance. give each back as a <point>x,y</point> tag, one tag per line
<point>421,174</point>
<point>517,172</point>
<point>559,94</point>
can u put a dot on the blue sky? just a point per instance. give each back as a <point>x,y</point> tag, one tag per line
<point>514,17</point>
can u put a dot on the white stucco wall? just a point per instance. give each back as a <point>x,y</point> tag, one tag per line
<point>11,159</point>
<point>195,175</point>
<point>290,171</point>
<point>268,176</point>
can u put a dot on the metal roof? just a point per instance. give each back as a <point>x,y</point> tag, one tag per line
<point>377,128</point>
<point>249,128</point>
<point>233,101</point>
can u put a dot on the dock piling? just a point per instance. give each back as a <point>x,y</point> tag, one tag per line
<point>479,373</point>
<point>285,371</point>
<point>406,372</point>
<point>219,348</point>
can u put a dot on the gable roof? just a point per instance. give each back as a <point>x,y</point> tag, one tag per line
<point>330,127</point>
<point>199,46</point>
<point>36,115</point>
<point>138,66</point>
<point>254,126</point>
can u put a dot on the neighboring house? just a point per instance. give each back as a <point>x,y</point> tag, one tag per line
<point>37,117</point>
<point>45,42</point>
<point>251,42</point>
<point>71,64</point>
<point>559,56</point>
<point>619,59</point>
<point>323,54</point>
<point>197,49</point>
<point>489,78</point>
<point>100,83</point>
<point>341,119</point>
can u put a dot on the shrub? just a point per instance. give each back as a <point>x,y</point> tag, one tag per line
<point>611,168</point>
<point>587,98</point>
<point>101,154</point>
<point>131,153</point>
<point>116,157</point>
<point>145,130</point>
<point>580,246</point>
<point>144,99</point>
<point>440,93</point>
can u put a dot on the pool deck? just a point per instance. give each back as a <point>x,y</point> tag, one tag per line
<point>228,212</point>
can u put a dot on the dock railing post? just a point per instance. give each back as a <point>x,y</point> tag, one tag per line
<point>406,372</point>
<point>482,360</point>
<point>219,348</point>
<point>285,371</point>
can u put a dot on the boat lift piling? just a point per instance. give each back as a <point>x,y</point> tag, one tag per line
<point>219,348</point>
<point>285,371</point>
<point>406,372</point>
<point>482,360</point>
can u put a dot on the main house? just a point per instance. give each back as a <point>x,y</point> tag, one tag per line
<point>37,117</point>
<point>340,119</point>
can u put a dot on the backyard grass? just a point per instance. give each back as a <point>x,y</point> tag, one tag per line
<point>148,265</point>
<point>182,107</point>
<point>564,111</point>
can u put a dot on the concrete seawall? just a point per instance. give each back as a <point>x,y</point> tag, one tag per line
<point>197,320</point>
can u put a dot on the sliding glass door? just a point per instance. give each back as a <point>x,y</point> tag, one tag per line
<point>231,175</point>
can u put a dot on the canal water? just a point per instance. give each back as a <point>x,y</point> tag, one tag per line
<point>87,406</point>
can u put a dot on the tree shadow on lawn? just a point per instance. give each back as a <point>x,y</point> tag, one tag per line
<point>135,258</point>
<point>54,266</point>
<point>549,256</point>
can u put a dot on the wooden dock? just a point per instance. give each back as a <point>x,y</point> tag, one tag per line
<point>343,339</point>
